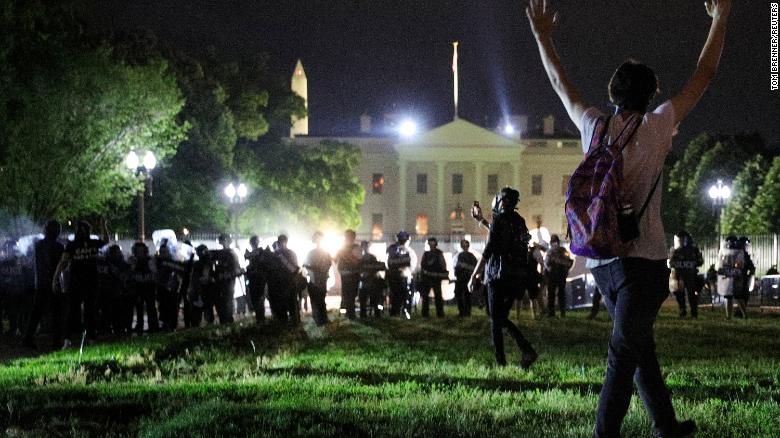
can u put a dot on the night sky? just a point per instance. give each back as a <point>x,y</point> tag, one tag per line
<point>395,56</point>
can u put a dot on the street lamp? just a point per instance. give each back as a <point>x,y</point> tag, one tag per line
<point>236,195</point>
<point>143,169</point>
<point>719,193</point>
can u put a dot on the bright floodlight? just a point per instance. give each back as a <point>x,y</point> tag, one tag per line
<point>725,192</point>
<point>408,128</point>
<point>714,192</point>
<point>509,129</point>
<point>150,161</point>
<point>241,191</point>
<point>132,160</point>
<point>230,191</point>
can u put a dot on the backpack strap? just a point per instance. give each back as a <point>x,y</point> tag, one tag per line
<point>647,201</point>
<point>623,140</point>
<point>599,132</point>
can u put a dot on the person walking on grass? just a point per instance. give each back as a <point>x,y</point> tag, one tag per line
<point>504,261</point>
<point>635,284</point>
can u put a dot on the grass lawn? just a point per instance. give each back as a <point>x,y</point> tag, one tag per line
<point>389,377</point>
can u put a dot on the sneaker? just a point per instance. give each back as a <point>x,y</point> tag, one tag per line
<point>684,429</point>
<point>528,360</point>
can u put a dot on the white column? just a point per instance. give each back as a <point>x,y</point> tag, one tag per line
<point>402,196</point>
<point>479,182</point>
<point>516,176</point>
<point>440,213</point>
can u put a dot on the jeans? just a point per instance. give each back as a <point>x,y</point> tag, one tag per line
<point>501,296</point>
<point>633,291</point>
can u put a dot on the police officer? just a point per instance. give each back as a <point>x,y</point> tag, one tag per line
<point>348,263</point>
<point>112,272</point>
<point>12,285</point>
<point>318,263</point>
<point>201,286</point>
<point>556,268</point>
<point>748,277</point>
<point>47,254</point>
<point>226,270</point>
<point>168,284</point>
<point>730,272</point>
<point>81,256</point>
<point>400,261</point>
<point>684,261</point>
<point>291,277</point>
<point>464,263</point>
<point>142,284</point>
<point>433,269</point>
<point>504,260</point>
<point>371,294</point>
<point>256,276</point>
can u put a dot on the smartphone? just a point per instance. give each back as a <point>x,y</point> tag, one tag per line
<point>476,210</point>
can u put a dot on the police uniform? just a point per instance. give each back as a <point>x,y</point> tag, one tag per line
<point>399,264</point>
<point>47,254</point>
<point>465,263</point>
<point>683,278</point>
<point>256,279</point>
<point>226,270</point>
<point>141,283</point>
<point>433,269</point>
<point>348,261</point>
<point>291,283</point>
<point>371,285</point>
<point>83,286</point>
<point>318,263</point>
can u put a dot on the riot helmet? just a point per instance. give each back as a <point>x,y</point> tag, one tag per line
<point>744,243</point>
<point>83,230</point>
<point>731,242</point>
<point>402,237</point>
<point>52,230</point>
<point>140,250</point>
<point>114,254</point>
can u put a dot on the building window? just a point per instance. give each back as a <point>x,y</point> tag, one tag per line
<point>377,226</point>
<point>492,186</point>
<point>421,226</point>
<point>377,183</point>
<point>422,183</point>
<point>565,184</point>
<point>536,185</point>
<point>457,183</point>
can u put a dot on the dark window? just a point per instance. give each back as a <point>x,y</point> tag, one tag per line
<point>492,186</point>
<point>565,184</point>
<point>377,183</point>
<point>422,183</point>
<point>536,185</point>
<point>457,183</point>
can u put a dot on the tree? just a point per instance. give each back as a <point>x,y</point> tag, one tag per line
<point>736,214</point>
<point>75,113</point>
<point>764,215</point>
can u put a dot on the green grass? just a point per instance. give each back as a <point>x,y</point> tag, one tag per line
<point>391,378</point>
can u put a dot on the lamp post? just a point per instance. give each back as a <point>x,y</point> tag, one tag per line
<point>143,169</point>
<point>719,193</point>
<point>236,195</point>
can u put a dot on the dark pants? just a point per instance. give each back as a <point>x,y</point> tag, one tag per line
<point>317,293</point>
<point>79,320</point>
<point>256,289</point>
<point>224,301</point>
<point>349,291</point>
<point>145,302</point>
<point>400,298</point>
<point>501,296</point>
<point>463,297</point>
<point>688,282</point>
<point>169,308</point>
<point>556,286</point>
<point>45,300</point>
<point>426,299</point>
<point>633,291</point>
<point>277,291</point>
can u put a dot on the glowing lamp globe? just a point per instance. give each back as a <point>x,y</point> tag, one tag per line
<point>132,160</point>
<point>150,161</point>
<point>241,191</point>
<point>230,191</point>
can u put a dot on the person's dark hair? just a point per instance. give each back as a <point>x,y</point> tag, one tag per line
<point>83,230</point>
<point>433,239</point>
<point>52,229</point>
<point>510,197</point>
<point>254,240</point>
<point>282,238</point>
<point>465,244</point>
<point>633,86</point>
<point>555,238</point>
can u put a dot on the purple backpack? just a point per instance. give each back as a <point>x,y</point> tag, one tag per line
<point>601,225</point>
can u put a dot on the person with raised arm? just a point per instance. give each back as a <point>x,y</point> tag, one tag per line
<point>634,284</point>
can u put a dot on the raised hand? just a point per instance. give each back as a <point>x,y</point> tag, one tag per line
<point>542,18</point>
<point>718,9</point>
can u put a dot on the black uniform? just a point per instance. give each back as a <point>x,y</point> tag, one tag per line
<point>318,264</point>
<point>226,270</point>
<point>83,286</point>
<point>372,286</point>
<point>348,261</point>
<point>683,279</point>
<point>48,253</point>
<point>433,271</point>
<point>465,263</point>
<point>201,286</point>
<point>169,281</point>
<point>13,287</point>
<point>556,268</point>
<point>256,279</point>
<point>292,283</point>
<point>398,267</point>
<point>112,275</point>
<point>141,285</point>
<point>506,253</point>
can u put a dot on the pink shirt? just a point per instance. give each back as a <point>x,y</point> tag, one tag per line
<point>643,159</point>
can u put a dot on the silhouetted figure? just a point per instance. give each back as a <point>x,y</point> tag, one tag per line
<point>400,261</point>
<point>433,269</point>
<point>318,263</point>
<point>372,286</point>
<point>348,264</point>
<point>464,264</point>
<point>142,284</point>
<point>684,261</point>
<point>47,254</point>
<point>556,268</point>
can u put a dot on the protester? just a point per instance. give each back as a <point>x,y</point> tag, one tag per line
<point>635,285</point>
<point>504,261</point>
<point>433,269</point>
<point>47,254</point>
<point>556,268</point>
<point>464,263</point>
<point>742,293</point>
